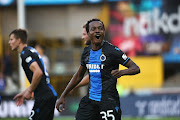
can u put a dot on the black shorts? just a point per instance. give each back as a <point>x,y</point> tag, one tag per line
<point>108,109</point>
<point>43,109</point>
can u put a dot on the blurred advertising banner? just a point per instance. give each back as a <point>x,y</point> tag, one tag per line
<point>151,106</point>
<point>54,2</point>
<point>151,75</point>
<point>8,108</point>
<point>146,27</point>
<point>165,105</point>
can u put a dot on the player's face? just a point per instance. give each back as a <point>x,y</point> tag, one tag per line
<point>96,32</point>
<point>13,42</point>
<point>85,37</point>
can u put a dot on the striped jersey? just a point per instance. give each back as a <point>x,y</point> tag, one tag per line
<point>99,64</point>
<point>44,88</point>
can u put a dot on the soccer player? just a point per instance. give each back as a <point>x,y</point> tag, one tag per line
<point>44,94</point>
<point>87,41</point>
<point>85,36</point>
<point>40,49</point>
<point>102,60</point>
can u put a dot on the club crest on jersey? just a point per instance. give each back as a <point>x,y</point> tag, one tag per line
<point>102,57</point>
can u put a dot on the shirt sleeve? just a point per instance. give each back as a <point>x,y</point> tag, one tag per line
<point>28,58</point>
<point>84,56</point>
<point>120,57</point>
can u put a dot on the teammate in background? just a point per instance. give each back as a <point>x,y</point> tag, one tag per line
<point>44,94</point>
<point>87,41</point>
<point>40,50</point>
<point>85,36</point>
<point>102,60</point>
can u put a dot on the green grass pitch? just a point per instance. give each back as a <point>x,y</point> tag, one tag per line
<point>71,118</point>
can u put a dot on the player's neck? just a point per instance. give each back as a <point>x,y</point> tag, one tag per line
<point>21,46</point>
<point>96,47</point>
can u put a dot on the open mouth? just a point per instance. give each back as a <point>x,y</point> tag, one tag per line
<point>97,36</point>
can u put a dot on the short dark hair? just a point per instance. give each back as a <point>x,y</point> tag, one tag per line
<point>94,19</point>
<point>20,33</point>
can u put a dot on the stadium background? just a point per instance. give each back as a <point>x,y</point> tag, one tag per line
<point>147,31</point>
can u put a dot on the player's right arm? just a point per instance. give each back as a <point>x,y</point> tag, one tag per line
<point>84,81</point>
<point>77,77</point>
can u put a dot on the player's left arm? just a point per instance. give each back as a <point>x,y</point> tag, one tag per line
<point>37,74</point>
<point>132,69</point>
<point>27,93</point>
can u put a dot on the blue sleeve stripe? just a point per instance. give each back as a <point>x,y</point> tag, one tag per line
<point>54,92</point>
<point>126,61</point>
<point>31,62</point>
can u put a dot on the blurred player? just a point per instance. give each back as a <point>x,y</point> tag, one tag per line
<point>40,49</point>
<point>44,94</point>
<point>87,41</point>
<point>102,61</point>
<point>85,36</point>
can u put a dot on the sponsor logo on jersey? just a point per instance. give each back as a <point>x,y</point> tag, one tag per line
<point>94,67</point>
<point>28,59</point>
<point>94,71</point>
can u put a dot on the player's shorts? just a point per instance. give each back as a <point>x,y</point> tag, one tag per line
<point>43,109</point>
<point>110,109</point>
<point>107,109</point>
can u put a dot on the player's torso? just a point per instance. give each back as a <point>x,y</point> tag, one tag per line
<point>99,64</point>
<point>28,56</point>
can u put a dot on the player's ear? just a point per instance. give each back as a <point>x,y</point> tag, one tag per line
<point>19,40</point>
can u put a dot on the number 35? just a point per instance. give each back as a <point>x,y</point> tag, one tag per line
<point>107,115</point>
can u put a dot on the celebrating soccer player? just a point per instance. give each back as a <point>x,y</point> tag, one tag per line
<point>102,60</point>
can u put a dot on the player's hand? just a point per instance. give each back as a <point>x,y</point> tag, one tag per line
<point>19,99</point>
<point>60,104</point>
<point>27,94</point>
<point>116,73</point>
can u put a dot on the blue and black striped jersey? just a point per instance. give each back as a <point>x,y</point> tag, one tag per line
<point>44,88</point>
<point>99,64</point>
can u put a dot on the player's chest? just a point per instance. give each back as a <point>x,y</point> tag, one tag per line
<point>99,60</point>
